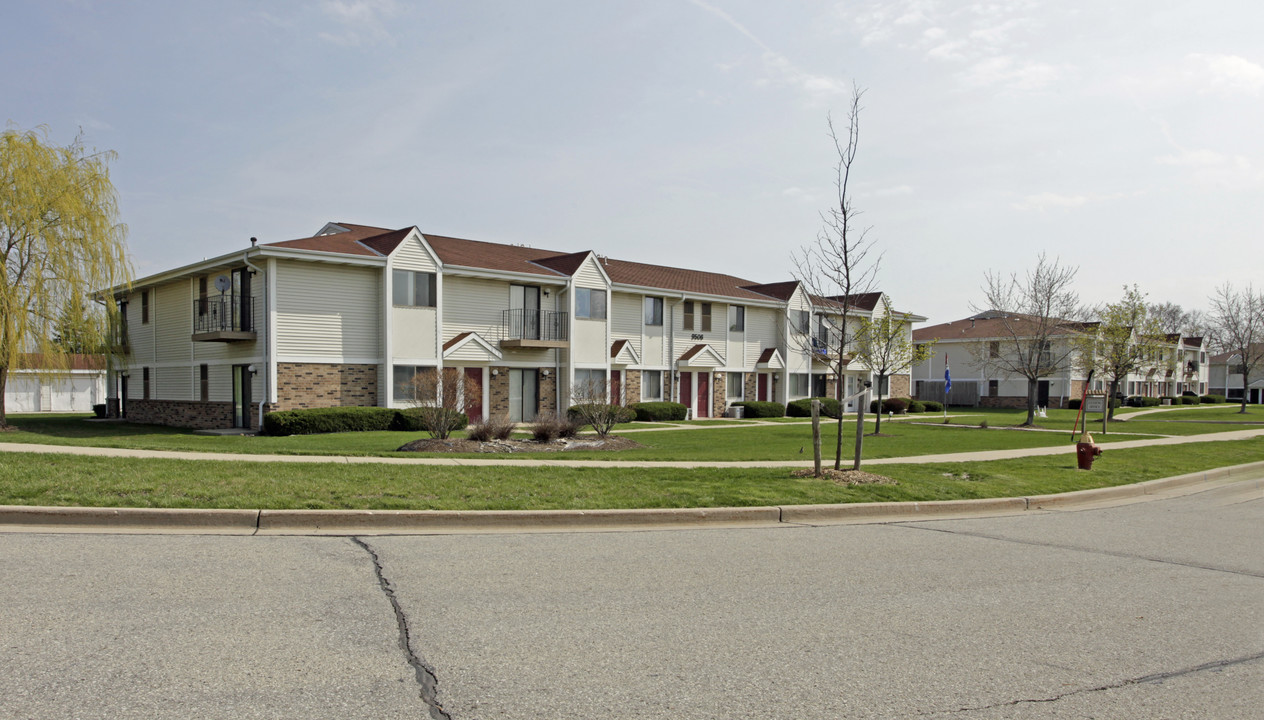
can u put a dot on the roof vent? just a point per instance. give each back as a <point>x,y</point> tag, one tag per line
<point>254,241</point>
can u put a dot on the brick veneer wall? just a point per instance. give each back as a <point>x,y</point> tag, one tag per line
<point>317,385</point>
<point>498,389</point>
<point>752,386</point>
<point>719,394</point>
<point>900,386</point>
<point>188,413</point>
<point>546,392</point>
<point>632,387</point>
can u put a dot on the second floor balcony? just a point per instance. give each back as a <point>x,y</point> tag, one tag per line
<point>526,328</point>
<point>227,318</point>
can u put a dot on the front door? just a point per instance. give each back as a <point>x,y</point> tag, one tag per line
<point>761,393</point>
<point>241,396</point>
<point>123,396</point>
<point>616,387</point>
<point>1042,393</point>
<point>474,400</point>
<point>704,396</point>
<point>522,395</point>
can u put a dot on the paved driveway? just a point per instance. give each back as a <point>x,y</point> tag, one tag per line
<point>1153,610</point>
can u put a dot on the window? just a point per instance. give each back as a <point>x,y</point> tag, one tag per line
<point>652,385</point>
<point>202,296</point>
<point>884,385</point>
<point>144,308</point>
<point>994,388</point>
<point>801,320</point>
<point>144,375</point>
<point>204,381</point>
<point>994,349</point>
<point>653,311</point>
<point>706,317</point>
<point>687,320</point>
<point>590,384</point>
<point>737,318</point>
<point>799,384</point>
<point>736,389</point>
<point>590,304</point>
<point>413,289</point>
<point>414,383</point>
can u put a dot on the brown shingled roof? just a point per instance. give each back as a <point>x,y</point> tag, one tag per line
<point>347,243</point>
<point>780,291</point>
<point>74,361</point>
<point>616,347</point>
<point>456,339</point>
<point>692,351</point>
<point>985,327</point>
<point>670,278</point>
<point>492,256</point>
<point>565,264</point>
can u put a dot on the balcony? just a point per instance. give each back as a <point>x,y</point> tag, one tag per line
<point>523,328</point>
<point>227,318</point>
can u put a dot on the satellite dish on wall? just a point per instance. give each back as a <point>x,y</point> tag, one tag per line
<point>222,283</point>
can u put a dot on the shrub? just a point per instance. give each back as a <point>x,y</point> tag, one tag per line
<point>331,420</point>
<point>803,408</point>
<point>99,410</point>
<point>567,427</point>
<point>660,411</point>
<point>1073,404</point>
<point>761,409</point>
<point>491,429</point>
<point>1212,398</point>
<point>437,421</point>
<point>1189,399</point>
<point>1189,393</point>
<point>895,405</point>
<point>1142,401</point>
<point>600,416</point>
<point>933,406</point>
<point>916,406</point>
<point>545,427</point>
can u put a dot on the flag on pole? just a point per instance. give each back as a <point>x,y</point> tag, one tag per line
<point>947,378</point>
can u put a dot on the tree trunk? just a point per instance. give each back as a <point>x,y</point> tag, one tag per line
<point>4,382</point>
<point>1110,400</point>
<point>838,445</point>
<point>1031,402</point>
<point>816,438</point>
<point>1246,389</point>
<point>860,430</point>
<point>877,415</point>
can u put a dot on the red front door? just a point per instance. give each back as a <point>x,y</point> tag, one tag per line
<point>474,401</point>
<point>616,387</point>
<point>762,393</point>
<point>704,396</point>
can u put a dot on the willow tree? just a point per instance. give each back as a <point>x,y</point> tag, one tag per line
<point>60,240</point>
<point>885,345</point>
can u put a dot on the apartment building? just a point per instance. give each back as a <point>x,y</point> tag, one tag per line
<point>353,314</point>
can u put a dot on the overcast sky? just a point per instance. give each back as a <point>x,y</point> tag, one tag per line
<point>1125,137</point>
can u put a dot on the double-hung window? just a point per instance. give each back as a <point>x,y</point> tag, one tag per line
<point>590,304</point>
<point>736,389</point>
<point>415,383</point>
<point>654,311</point>
<point>652,385</point>
<point>737,318</point>
<point>413,289</point>
<point>696,317</point>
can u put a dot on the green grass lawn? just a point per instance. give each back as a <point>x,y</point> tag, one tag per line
<point>1210,413</point>
<point>740,443</point>
<point>63,480</point>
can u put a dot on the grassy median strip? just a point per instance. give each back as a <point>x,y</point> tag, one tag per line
<point>49,479</point>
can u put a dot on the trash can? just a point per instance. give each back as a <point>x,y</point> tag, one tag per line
<point>736,411</point>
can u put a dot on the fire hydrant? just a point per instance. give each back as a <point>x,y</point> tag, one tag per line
<point>1086,450</point>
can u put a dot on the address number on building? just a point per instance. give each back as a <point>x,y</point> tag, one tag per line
<point>696,336</point>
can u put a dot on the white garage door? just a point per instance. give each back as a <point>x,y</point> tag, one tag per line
<point>21,395</point>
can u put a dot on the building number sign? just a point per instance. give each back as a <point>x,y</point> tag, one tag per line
<point>696,336</point>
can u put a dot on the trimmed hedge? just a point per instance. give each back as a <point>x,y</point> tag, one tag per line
<point>933,406</point>
<point>621,414</point>
<point>803,407</point>
<point>659,411</point>
<point>916,406</point>
<point>98,410</point>
<point>346,419</point>
<point>1142,401</point>
<point>761,409</point>
<point>1189,399</point>
<point>891,405</point>
<point>1212,398</point>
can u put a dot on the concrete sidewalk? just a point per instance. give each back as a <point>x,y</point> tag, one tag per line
<point>536,462</point>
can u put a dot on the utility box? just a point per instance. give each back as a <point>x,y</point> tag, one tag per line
<point>736,411</point>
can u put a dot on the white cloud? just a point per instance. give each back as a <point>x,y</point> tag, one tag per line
<point>362,22</point>
<point>1230,74</point>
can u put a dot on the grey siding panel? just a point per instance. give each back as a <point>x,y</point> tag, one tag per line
<point>328,311</point>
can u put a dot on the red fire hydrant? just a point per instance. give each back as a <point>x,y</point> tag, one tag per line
<point>1086,450</point>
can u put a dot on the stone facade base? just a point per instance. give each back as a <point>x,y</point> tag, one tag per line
<point>188,413</point>
<point>319,385</point>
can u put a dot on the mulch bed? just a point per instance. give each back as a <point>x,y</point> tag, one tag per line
<point>850,478</point>
<point>454,445</point>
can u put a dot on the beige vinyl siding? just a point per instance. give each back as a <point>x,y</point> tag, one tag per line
<point>141,337</point>
<point>762,331</point>
<point>626,318</point>
<point>410,255</point>
<point>171,314</point>
<point>589,343</point>
<point>475,305</point>
<point>219,382</point>
<point>328,311</point>
<point>171,383</point>
<point>654,353</point>
<point>469,352</point>
<point>588,275</point>
<point>413,332</point>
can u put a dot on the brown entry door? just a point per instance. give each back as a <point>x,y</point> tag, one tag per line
<point>474,401</point>
<point>616,387</point>
<point>762,393</point>
<point>686,387</point>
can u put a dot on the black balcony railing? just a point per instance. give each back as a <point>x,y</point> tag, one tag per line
<point>523,324</point>
<point>227,313</point>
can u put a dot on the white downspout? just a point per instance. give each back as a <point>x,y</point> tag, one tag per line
<point>671,350</point>
<point>267,336</point>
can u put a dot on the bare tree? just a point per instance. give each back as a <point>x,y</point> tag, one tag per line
<point>1128,335</point>
<point>1237,321</point>
<point>1039,315</point>
<point>593,407</point>
<point>439,406</point>
<point>1173,319</point>
<point>837,267</point>
<point>885,345</point>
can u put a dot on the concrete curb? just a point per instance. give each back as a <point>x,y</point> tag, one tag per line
<point>18,518</point>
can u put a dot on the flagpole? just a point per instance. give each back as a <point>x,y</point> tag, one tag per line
<point>947,385</point>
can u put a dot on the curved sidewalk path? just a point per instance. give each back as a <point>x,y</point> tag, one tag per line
<point>975,456</point>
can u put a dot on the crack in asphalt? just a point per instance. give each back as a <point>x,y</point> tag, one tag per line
<point>1154,677</point>
<point>424,673</point>
<point>1080,548</point>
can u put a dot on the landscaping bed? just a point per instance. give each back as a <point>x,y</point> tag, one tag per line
<point>496,447</point>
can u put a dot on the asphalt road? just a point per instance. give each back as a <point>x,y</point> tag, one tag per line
<point>1153,610</point>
